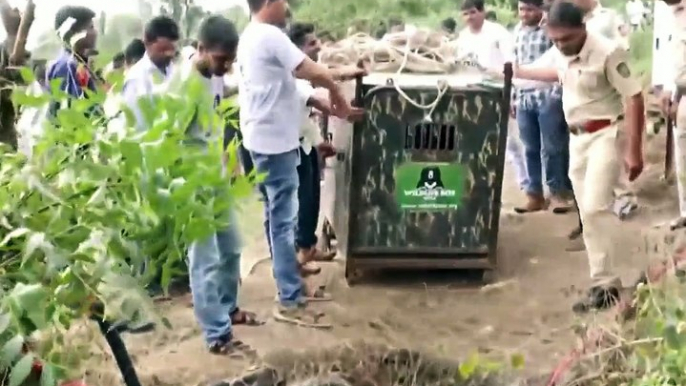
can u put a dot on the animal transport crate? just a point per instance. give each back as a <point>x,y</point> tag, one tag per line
<point>417,183</point>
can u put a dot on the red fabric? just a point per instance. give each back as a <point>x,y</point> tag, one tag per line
<point>83,76</point>
<point>595,125</point>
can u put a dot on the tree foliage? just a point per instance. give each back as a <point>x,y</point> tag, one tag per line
<point>93,215</point>
<point>371,15</point>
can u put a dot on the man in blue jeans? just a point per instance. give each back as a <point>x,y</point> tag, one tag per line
<point>542,126</point>
<point>270,119</point>
<point>214,263</point>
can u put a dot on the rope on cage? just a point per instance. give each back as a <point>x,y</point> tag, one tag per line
<point>418,51</point>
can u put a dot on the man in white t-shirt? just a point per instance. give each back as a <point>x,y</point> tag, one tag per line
<point>213,263</point>
<point>270,117</point>
<point>491,45</point>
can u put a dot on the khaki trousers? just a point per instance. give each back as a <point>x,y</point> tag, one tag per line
<point>594,168</point>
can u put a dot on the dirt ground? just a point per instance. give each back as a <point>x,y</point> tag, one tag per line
<point>529,312</point>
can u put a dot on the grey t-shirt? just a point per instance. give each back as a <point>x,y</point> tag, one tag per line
<point>270,105</point>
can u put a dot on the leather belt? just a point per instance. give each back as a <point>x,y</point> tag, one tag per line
<point>591,126</point>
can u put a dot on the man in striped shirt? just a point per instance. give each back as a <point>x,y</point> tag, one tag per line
<point>542,127</point>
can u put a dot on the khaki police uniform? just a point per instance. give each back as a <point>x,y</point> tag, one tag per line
<point>594,85</point>
<point>606,22</point>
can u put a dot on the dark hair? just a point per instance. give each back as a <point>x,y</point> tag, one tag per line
<point>134,51</point>
<point>118,60</point>
<point>161,27</point>
<point>82,15</point>
<point>449,24</point>
<point>535,3</point>
<point>565,14</point>
<point>218,33</point>
<point>299,31</point>
<point>476,4</point>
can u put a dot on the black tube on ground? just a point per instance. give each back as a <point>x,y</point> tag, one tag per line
<point>121,354</point>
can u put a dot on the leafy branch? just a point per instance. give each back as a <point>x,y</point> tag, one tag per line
<point>93,216</point>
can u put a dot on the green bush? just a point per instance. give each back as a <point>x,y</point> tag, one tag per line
<point>88,208</point>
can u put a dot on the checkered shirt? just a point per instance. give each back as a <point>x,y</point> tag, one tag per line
<point>530,44</point>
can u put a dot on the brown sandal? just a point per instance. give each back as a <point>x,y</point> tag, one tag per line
<point>534,204</point>
<point>321,256</point>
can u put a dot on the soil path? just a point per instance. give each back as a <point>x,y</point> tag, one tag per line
<point>529,312</point>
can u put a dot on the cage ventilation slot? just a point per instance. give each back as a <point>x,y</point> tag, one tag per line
<point>430,136</point>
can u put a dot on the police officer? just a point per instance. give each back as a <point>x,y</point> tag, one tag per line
<point>605,22</point>
<point>608,23</point>
<point>600,98</point>
<point>674,105</point>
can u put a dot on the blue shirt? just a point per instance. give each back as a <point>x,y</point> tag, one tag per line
<point>65,68</point>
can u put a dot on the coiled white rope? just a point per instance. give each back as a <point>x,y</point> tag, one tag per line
<point>416,51</point>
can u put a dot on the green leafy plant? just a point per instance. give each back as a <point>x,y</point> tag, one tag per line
<point>649,349</point>
<point>94,215</point>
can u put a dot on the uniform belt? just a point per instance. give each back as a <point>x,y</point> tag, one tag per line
<point>591,126</point>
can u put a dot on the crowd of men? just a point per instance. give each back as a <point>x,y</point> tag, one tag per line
<point>578,108</point>
<point>276,71</point>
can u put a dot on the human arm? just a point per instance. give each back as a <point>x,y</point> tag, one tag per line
<point>543,69</point>
<point>321,104</point>
<point>629,88</point>
<point>296,62</point>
